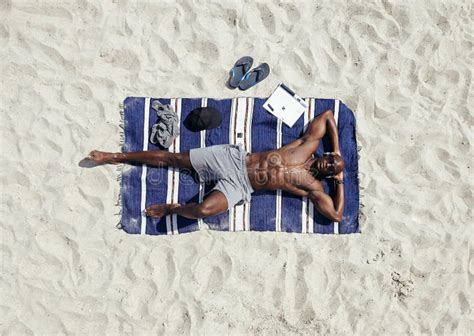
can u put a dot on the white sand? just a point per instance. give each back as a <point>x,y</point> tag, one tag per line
<point>404,70</point>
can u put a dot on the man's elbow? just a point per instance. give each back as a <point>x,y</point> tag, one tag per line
<point>328,114</point>
<point>337,218</point>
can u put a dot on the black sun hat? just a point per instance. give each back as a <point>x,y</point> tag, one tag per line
<point>203,118</point>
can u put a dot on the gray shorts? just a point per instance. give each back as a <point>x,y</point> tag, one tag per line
<point>226,165</point>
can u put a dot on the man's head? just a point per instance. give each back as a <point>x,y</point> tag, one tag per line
<point>328,165</point>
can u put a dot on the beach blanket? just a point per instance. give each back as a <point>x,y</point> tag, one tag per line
<point>244,121</point>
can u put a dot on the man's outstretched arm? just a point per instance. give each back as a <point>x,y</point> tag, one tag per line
<point>324,123</point>
<point>330,208</point>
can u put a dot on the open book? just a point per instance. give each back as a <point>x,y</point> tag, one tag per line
<point>285,105</point>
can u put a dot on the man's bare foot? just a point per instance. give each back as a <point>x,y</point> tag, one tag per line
<point>103,157</point>
<point>160,210</point>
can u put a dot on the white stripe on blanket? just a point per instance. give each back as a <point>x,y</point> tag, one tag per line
<point>232,140</point>
<point>176,178</point>
<point>278,193</point>
<point>169,191</point>
<point>336,118</point>
<point>202,145</point>
<point>239,139</point>
<point>305,203</point>
<point>248,149</point>
<point>173,177</point>
<point>146,118</point>
<point>311,206</point>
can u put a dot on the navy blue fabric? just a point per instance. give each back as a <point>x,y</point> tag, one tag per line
<point>264,137</point>
<point>348,146</point>
<point>188,186</point>
<point>131,175</point>
<point>291,205</point>
<point>157,180</point>
<point>263,206</point>
<point>321,223</point>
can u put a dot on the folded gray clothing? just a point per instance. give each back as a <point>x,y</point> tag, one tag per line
<point>167,126</point>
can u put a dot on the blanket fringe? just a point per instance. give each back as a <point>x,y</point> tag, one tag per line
<point>362,216</point>
<point>119,169</point>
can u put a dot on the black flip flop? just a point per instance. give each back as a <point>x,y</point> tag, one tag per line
<point>254,76</point>
<point>241,67</point>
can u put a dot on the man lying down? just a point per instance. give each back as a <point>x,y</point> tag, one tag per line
<point>237,174</point>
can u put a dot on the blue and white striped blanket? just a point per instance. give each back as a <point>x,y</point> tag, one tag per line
<point>243,121</point>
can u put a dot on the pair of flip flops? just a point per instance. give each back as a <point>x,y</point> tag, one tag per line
<point>243,78</point>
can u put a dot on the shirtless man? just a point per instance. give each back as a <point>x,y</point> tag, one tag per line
<point>292,168</point>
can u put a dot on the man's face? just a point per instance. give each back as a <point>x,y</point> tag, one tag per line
<point>329,165</point>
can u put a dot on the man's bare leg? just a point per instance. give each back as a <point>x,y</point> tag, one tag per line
<point>214,204</point>
<point>158,158</point>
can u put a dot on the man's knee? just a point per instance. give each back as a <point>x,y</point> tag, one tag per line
<point>327,114</point>
<point>180,160</point>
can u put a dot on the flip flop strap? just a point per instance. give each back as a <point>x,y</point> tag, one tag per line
<point>257,71</point>
<point>241,65</point>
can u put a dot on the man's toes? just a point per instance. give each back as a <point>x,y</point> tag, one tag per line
<point>152,207</point>
<point>152,213</point>
<point>156,210</point>
<point>101,157</point>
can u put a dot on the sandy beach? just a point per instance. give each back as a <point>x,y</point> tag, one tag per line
<point>404,68</point>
